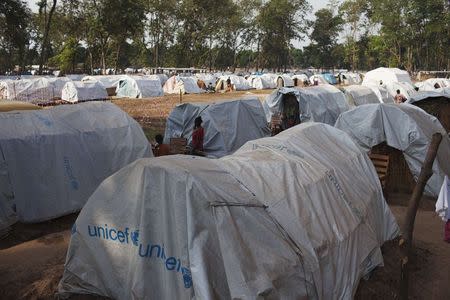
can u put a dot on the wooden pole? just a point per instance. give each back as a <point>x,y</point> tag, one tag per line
<point>408,226</point>
<point>181,96</point>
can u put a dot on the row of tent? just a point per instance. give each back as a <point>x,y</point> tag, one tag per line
<point>204,232</point>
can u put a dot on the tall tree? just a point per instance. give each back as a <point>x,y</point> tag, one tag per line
<point>324,36</point>
<point>44,47</point>
<point>14,17</point>
<point>279,22</point>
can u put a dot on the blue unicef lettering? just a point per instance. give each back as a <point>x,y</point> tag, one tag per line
<point>69,172</point>
<point>47,122</point>
<point>150,251</point>
<point>187,278</point>
<point>135,237</point>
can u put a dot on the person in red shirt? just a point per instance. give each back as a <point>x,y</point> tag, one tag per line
<point>197,136</point>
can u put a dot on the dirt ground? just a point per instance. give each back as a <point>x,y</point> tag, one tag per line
<point>32,259</point>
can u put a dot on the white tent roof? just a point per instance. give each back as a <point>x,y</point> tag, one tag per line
<point>404,127</point>
<point>239,83</point>
<point>35,90</point>
<point>287,80</point>
<point>261,82</point>
<point>359,95</point>
<point>228,125</point>
<point>57,157</point>
<point>75,91</point>
<point>322,103</point>
<point>108,81</point>
<point>233,227</point>
<point>320,79</point>
<point>386,75</point>
<point>139,87</point>
<point>429,84</point>
<point>187,85</point>
<point>381,93</point>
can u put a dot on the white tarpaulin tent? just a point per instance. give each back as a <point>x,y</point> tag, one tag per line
<point>235,228</point>
<point>262,82</point>
<point>35,90</point>
<point>75,91</point>
<point>108,81</point>
<point>284,80</point>
<point>208,79</point>
<point>301,79</point>
<point>443,201</point>
<point>185,85</point>
<point>349,78</point>
<point>322,103</point>
<point>432,84</point>
<point>228,125</point>
<point>320,79</point>
<point>359,95</point>
<point>381,93</point>
<point>139,87</point>
<point>385,75</point>
<point>239,83</point>
<point>55,158</point>
<point>404,127</point>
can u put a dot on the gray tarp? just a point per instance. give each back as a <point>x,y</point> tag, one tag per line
<point>404,127</point>
<point>322,103</point>
<point>57,157</point>
<point>228,125</point>
<point>296,216</point>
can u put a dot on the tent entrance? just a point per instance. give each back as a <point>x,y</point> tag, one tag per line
<point>399,177</point>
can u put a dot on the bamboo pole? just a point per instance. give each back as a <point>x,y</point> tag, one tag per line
<point>405,242</point>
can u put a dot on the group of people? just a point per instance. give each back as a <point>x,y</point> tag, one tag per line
<point>198,135</point>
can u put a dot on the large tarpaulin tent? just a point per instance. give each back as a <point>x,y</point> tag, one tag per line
<point>55,158</point>
<point>404,127</point>
<point>185,85</point>
<point>75,91</point>
<point>238,83</point>
<point>264,81</point>
<point>322,103</point>
<point>139,87</point>
<point>34,90</point>
<point>432,84</point>
<point>257,224</point>
<point>228,125</point>
<point>359,95</point>
<point>108,81</point>
<point>384,75</point>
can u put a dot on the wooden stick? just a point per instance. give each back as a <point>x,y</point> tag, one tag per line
<point>408,226</point>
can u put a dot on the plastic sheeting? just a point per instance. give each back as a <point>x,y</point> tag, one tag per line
<point>108,81</point>
<point>75,91</point>
<point>139,87</point>
<point>432,84</point>
<point>359,95</point>
<point>185,85</point>
<point>57,157</point>
<point>317,104</point>
<point>228,125</point>
<point>386,75</point>
<point>235,228</point>
<point>261,82</point>
<point>442,203</point>
<point>404,127</point>
<point>381,92</point>
<point>34,90</point>
<point>239,83</point>
<point>423,95</point>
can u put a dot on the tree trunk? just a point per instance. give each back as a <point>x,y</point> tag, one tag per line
<point>408,226</point>
<point>45,39</point>
<point>117,58</point>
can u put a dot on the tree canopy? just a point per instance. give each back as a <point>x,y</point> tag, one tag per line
<point>83,35</point>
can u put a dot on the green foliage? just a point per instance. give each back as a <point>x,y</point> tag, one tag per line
<point>354,34</point>
<point>14,37</point>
